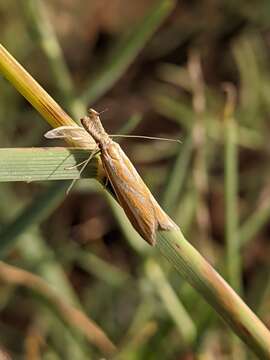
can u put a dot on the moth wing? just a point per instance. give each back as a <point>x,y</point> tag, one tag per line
<point>71,133</point>
<point>138,210</point>
<point>164,222</point>
<point>141,208</point>
<point>132,193</point>
<point>66,132</point>
<point>144,212</point>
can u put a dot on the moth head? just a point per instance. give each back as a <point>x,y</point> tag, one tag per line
<point>93,114</point>
<point>93,126</point>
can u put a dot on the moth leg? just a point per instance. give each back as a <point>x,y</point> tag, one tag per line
<point>106,182</point>
<point>76,165</point>
<point>82,162</point>
<point>85,162</point>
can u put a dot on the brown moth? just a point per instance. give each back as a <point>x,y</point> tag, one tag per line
<point>138,203</point>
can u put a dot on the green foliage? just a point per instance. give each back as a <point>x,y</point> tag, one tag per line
<point>215,184</point>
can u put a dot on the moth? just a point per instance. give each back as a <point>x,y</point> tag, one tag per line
<point>133,195</point>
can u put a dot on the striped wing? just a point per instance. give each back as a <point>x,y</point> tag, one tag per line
<point>134,196</point>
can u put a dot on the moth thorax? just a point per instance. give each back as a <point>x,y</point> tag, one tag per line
<point>93,126</point>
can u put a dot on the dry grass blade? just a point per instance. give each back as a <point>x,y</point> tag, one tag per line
<point>75,317</point>
<point>32,91</point>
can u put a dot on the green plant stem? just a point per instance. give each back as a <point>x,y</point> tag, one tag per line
<point>254,224</point>
<point>231,208</point>
<point>233,258</point>
<point>199,273</point>
<point>162,285</point>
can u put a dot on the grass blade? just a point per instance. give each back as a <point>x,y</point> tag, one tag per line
<point>234,263</point>
<point>173,305</point>
<point>33,214</point>
<point>126,51</point>
<point>231,190</point>
<point>177,175</point>
<point>254,223</point>
<point>70,314</point>
<point>43,164</point>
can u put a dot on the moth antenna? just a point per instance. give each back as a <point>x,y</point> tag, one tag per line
<point>103,111</point>
<point>146,137</point>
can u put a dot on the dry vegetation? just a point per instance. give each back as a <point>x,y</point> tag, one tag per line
<point>204,77</point>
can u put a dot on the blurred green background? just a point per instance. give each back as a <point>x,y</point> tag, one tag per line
<point>194,70</point>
